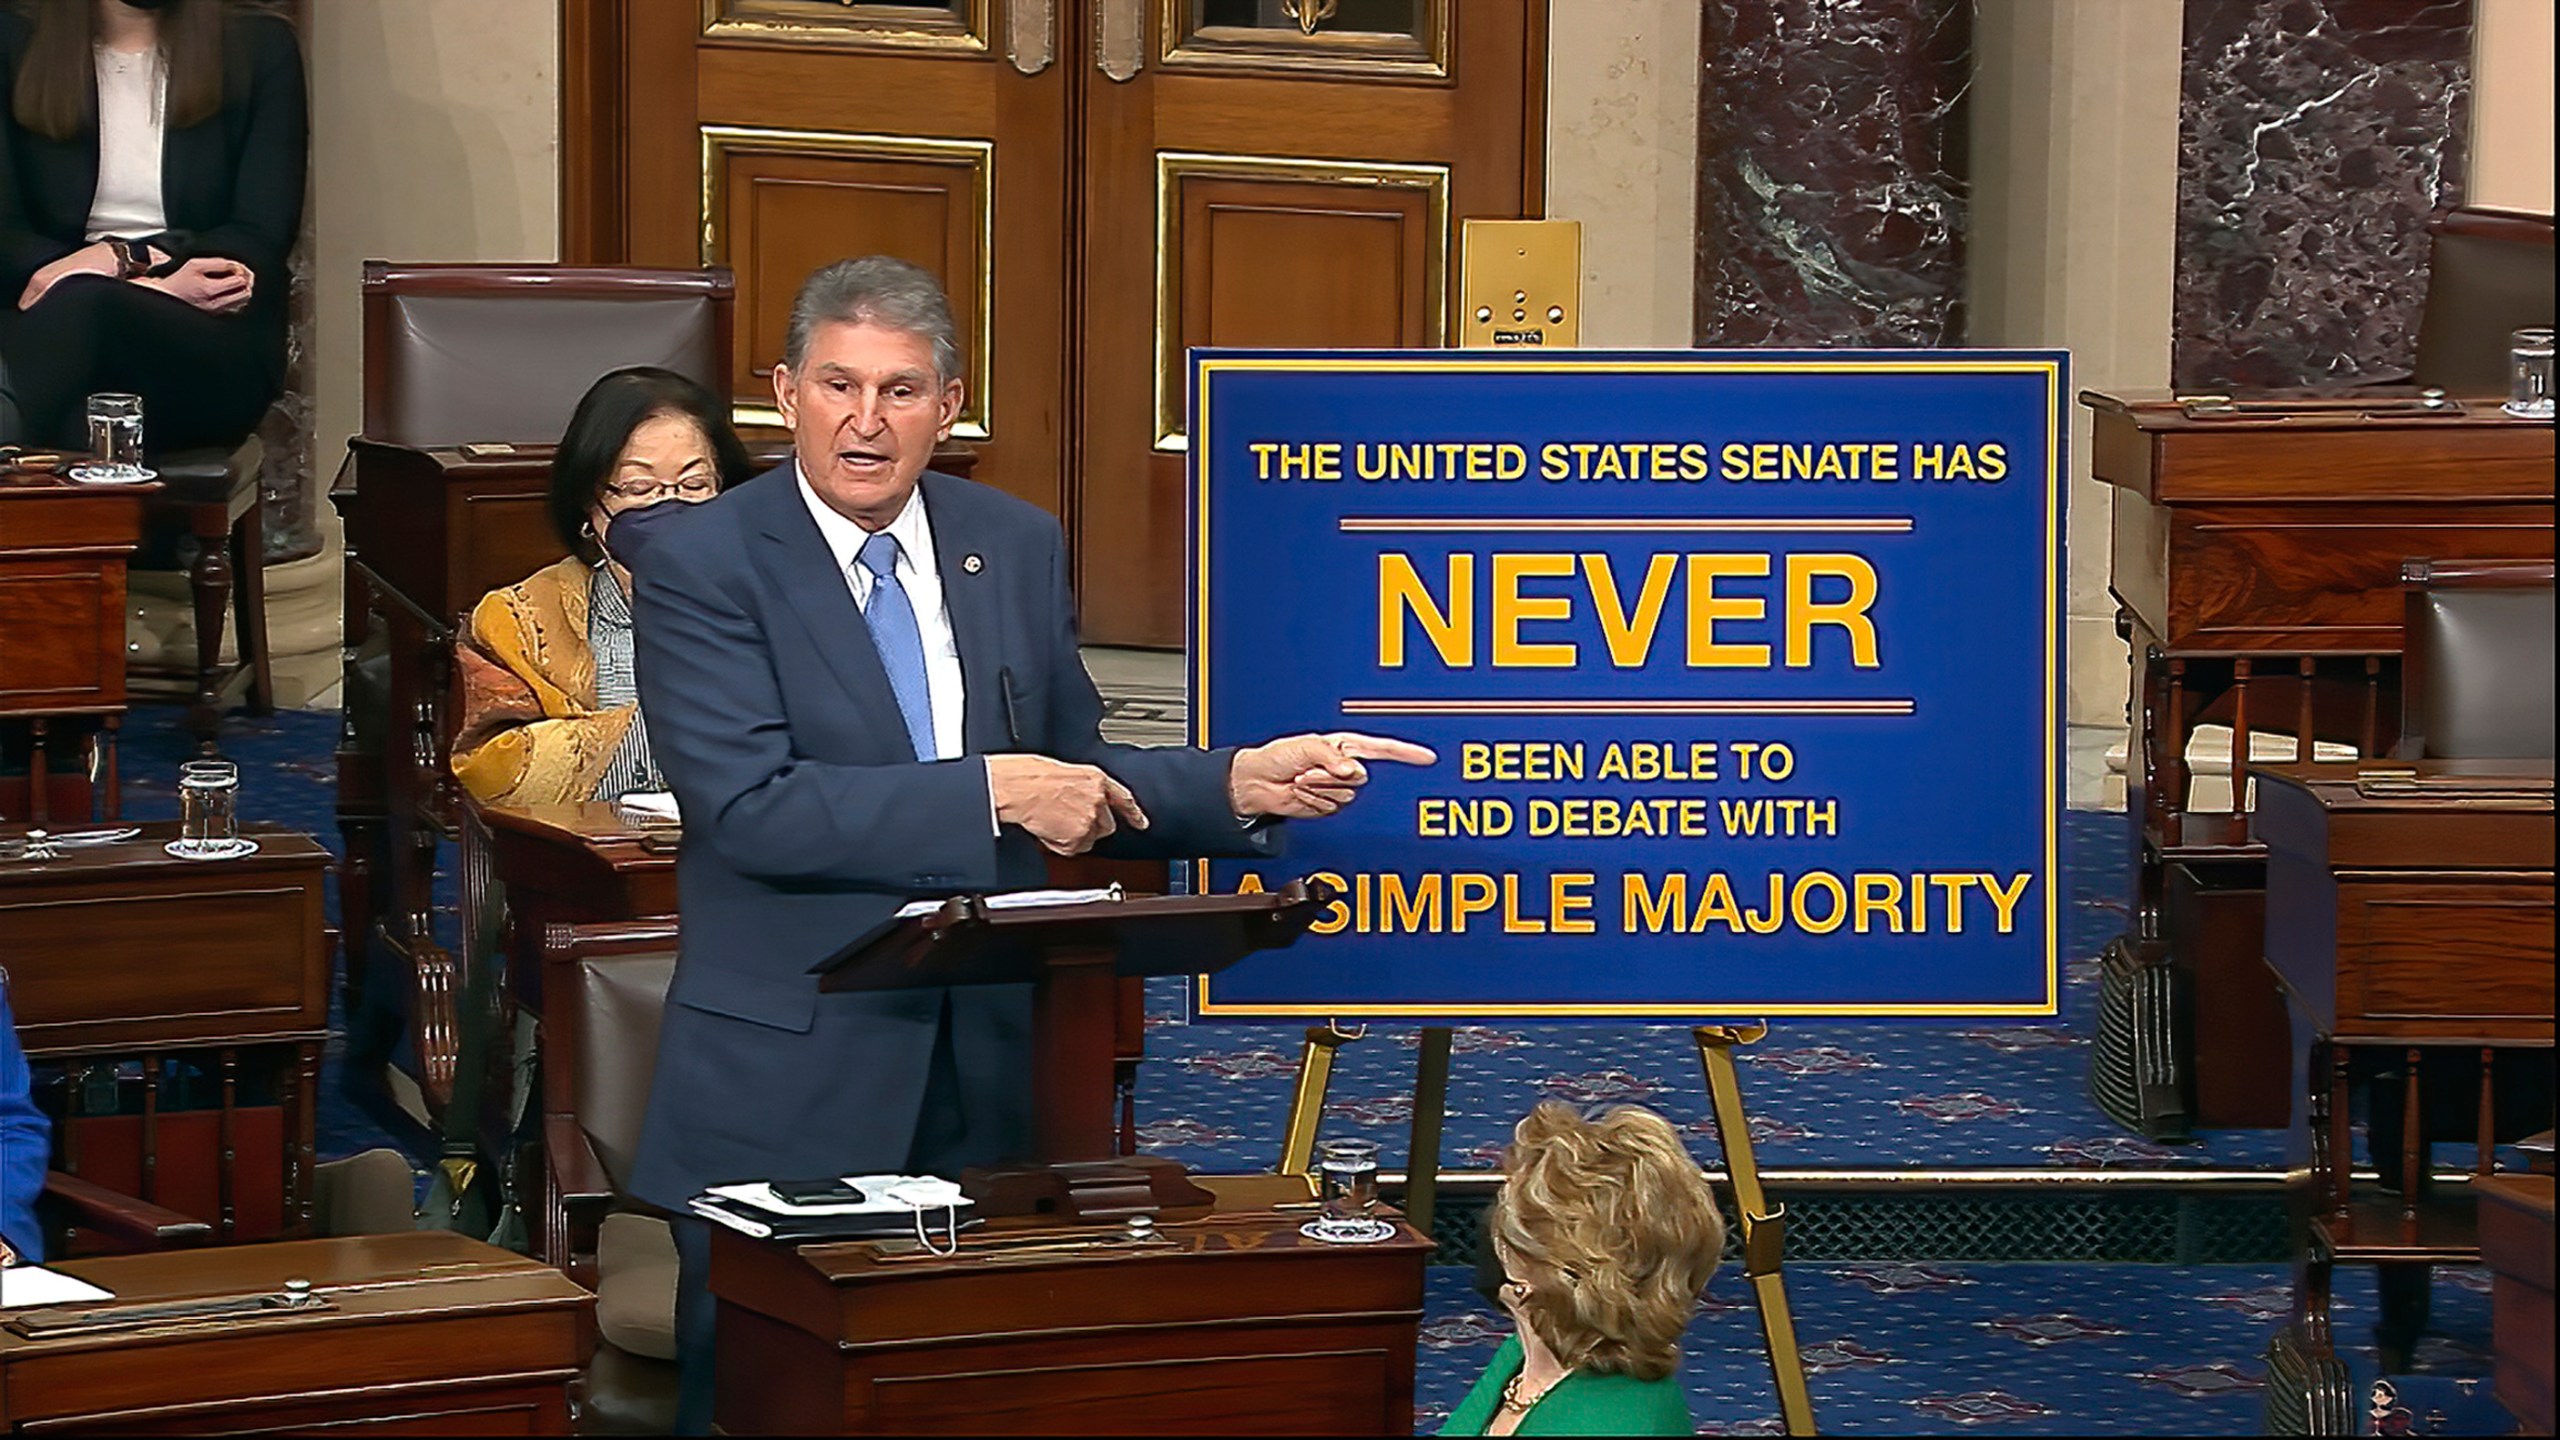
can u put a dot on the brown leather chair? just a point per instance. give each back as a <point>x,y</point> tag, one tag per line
<point>456,356</point>
<point>2476,660</point>
<point>604,993</point>
<point>110,1221</point>
<point>2489,275</point>
<point>499,354</point>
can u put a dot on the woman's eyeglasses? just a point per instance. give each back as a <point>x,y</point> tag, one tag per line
<point>692,487</point>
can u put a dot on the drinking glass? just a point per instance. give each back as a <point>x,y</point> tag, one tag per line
<point>1349,1170</point>
<point>208,807</point>
<point>115,438</point>
<point>2529,373</point>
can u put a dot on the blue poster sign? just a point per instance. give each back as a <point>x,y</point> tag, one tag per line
<point>1742,667</point>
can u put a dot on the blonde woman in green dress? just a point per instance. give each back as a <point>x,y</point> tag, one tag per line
<point>1607,1234</point>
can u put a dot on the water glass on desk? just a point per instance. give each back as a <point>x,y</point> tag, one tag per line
<point>1348,1173</point>
<point>2529,373</point>
<point>208,808</point>
<point>115,441</point>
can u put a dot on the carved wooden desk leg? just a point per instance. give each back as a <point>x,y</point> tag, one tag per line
<point>210,578</point>
<point>2307,1390</point>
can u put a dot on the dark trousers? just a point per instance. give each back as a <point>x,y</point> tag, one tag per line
<point>941,1147</point>
<point>204,379</point>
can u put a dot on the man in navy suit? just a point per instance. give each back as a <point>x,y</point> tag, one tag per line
<point>862,683</point>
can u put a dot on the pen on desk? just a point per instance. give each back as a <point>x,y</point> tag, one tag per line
<point>1012,723</point>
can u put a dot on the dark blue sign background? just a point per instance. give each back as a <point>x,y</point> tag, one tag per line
<point>1940,760</point>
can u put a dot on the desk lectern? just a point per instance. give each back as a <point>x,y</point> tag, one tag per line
<point>1073,954</point>
<point>1206,1312</point>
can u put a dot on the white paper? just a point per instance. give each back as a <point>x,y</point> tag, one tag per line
<point>739,1223</point>
<point>652,805</point>
<point>23,1287</point>
<point>881,1195</point>
<point>1016,900</point>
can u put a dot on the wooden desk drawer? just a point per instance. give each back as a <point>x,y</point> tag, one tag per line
<point>2314,577</point>
<point>2455,955</point>
<point>205,956</point>
<point>61,632</point>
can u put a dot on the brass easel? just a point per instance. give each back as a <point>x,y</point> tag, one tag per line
<point>1764,1227</point>
<point>1521,284</point>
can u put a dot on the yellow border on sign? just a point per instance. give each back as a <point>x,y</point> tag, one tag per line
<point>1454,365</point>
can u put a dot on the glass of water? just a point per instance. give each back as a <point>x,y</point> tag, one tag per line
<point>115,440</point>
<point>1349,1172</point>
<point>208,808</point>
<point>2529,373</point>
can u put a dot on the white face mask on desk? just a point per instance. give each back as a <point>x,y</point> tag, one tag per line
<point>922,1194</point>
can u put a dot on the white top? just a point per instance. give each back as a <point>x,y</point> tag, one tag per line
<point>920,575</point>
<point>133,90</point>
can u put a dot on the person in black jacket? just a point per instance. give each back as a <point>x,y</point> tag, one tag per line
<point>151,186</point>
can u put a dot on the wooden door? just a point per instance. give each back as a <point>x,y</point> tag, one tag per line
<point>1270,172</point>
<point>774,136</point>
<point>1100,183</point>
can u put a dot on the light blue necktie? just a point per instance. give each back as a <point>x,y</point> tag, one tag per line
<point>900,643</point>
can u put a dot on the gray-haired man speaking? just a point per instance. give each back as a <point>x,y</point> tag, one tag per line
<point>862,682</point>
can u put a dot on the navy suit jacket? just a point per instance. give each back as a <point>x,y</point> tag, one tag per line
<point>808,821</point>
<point>25,1142</point>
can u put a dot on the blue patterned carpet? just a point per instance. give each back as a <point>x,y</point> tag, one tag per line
<point>1901,1349</point>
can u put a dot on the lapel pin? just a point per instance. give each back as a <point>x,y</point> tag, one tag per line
<point>973,564</point>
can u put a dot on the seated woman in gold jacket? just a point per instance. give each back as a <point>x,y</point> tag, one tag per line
<point>549,708</point>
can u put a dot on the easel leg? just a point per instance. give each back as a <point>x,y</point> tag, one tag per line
<point>1764,1227</point>
<point>1430,1109</point>
<point>1306,1107</point>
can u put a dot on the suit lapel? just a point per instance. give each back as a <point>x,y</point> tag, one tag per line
<point>822,602</point>
<point>969,595</point>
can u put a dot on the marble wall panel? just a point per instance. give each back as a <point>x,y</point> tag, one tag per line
<point>2315,138</point>
<point>1831,171</point>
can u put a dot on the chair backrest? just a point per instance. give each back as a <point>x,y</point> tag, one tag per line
<point>2489,275</point>
<point>604,996</point>
<point>499,354</point>
<point>2476,666</point>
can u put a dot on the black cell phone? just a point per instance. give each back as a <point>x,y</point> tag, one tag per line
<point>816,1192</point>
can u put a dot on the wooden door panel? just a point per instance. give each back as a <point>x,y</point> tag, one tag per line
<point>1265,251</point>
<point>785,203</point>
<point>776,136</point>
<point>1358,132</point>
<point>1291,176</point>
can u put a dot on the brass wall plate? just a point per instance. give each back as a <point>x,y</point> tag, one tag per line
<point>1520,282</point>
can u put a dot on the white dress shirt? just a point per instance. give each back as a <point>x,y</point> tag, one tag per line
<point>920,575</point>
<point>132,88</point>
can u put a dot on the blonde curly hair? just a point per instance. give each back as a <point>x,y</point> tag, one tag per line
<point>1613,1232</point>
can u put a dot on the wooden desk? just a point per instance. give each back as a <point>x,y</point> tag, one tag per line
<point>1232,1324</point>
<point>2256,567</point>
<point>63,551</point>
<point>424,1333</point>
<point>573,864</point>
<point>2515,1243</point>
<point>2413,916</point>
<point>216,975</point>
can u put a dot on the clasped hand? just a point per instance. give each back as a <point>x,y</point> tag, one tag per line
<point>1069,808</point>
<point>209,283</point>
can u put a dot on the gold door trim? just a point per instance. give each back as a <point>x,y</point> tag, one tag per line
<point>848,25</point>
<point>1174,166</point>
<point>977,414</point>
<point>1303,52</point>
